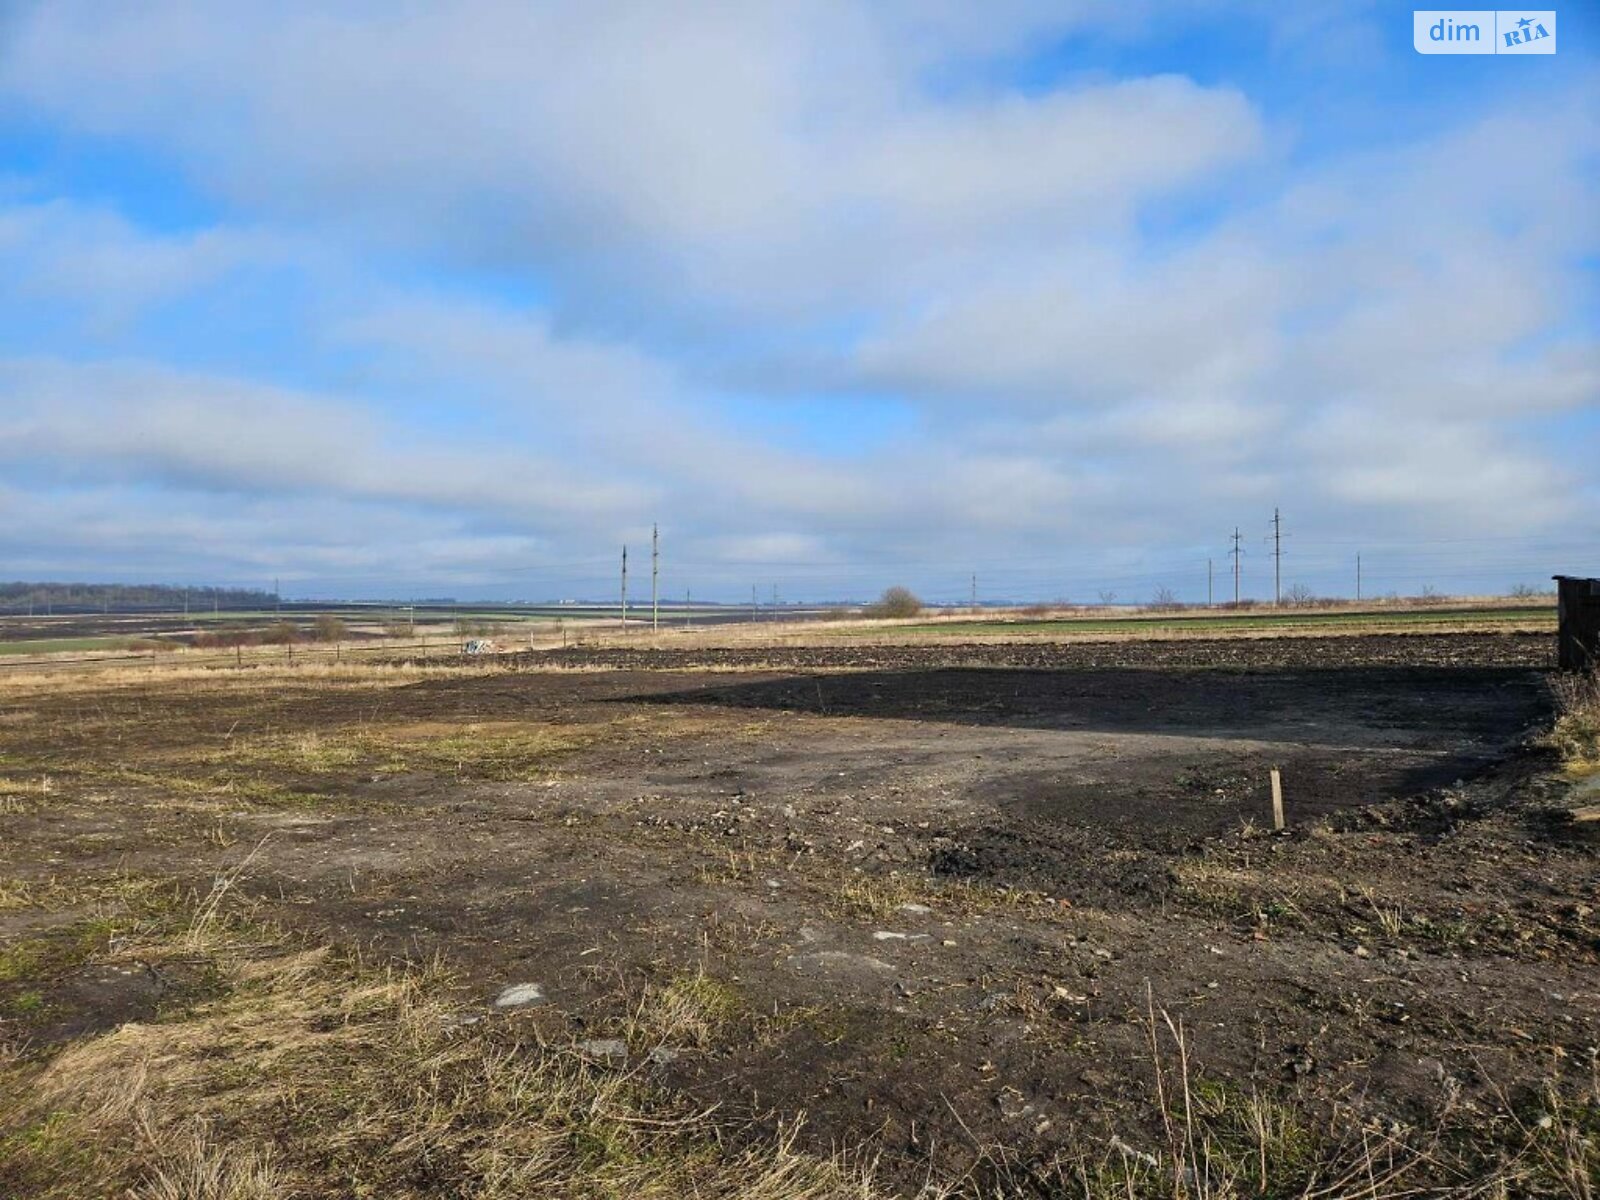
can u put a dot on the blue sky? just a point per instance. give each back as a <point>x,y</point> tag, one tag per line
<point>391,299</point>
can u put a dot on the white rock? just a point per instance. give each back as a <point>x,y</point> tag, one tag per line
<point>520,995</point>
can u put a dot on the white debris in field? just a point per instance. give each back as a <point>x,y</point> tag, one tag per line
<point>520,995</point>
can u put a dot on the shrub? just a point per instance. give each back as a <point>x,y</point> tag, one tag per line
<point>896,602</point>
<point>281,634</point>
<point>328,628</point>
<point>1165,599</point>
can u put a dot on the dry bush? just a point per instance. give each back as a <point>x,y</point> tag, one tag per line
<point>328,628</point>
<point>895,602</point>
<point>280,633</point>
<point>1165,600</point>
<point>1576,733</point>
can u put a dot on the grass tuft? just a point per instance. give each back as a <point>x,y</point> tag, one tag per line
<point>1576,733</point>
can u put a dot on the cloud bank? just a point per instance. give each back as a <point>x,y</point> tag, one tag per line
<point>387,298</point>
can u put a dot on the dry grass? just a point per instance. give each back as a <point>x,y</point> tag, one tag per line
<point>502,752</point>
<point>304,1073</point>
<point>1576,733</point>
<point>18,796</point>
<point>83,677</point>
<point>311,1076</point>
<point>689,1010</point>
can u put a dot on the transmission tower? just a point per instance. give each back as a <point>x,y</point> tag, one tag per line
<point>1237,555</point>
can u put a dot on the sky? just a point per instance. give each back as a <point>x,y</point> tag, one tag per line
<point>1045,300</point>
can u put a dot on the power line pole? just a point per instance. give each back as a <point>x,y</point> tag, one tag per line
<point>624,588</point>
<point>1237,555</point>
<point>754,608</point>
<point>655,570</point>
<point>774,602</point>
<point>277,598</point>
<point>974,589</point>
<point>688,600</point>
<point>1358,578</point>
<point>1277,558</point>
<point>1208,584</point>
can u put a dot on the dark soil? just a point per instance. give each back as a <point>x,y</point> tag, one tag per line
<point>1085,829</point>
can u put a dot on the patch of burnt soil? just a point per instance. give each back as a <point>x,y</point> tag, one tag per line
<point>1242,653</point>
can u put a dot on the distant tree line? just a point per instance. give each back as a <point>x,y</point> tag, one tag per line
<point>125,597</point>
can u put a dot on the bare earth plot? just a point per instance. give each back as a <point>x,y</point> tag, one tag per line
<point>940,900</point>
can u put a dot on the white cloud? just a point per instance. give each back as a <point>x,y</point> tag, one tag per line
<point>723,207</point>
<point>765,155</point>
<point>141,422</point>
<point>96,260</point>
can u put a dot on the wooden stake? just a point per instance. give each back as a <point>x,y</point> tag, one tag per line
<point>1277,799</point>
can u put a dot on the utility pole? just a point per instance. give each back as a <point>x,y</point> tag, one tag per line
<point>1277,558</point>
<point>753,605</point>
<point>277,598</point>
<point>655,570</point>
<point>624,588</point>
<point>1208,584</point>
<point>1237,554</point>
<point>688,599</point>
<point>974,590</point>
<point>1358,578</point>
